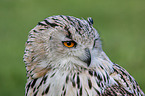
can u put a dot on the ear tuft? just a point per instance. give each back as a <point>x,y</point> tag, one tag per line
<point>90,20</point>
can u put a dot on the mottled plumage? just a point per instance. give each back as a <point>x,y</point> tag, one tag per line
<point>64,57</point>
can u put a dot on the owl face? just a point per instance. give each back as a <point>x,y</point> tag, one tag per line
<point>62,40</point>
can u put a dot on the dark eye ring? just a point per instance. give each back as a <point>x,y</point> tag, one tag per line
<point>69,44</point>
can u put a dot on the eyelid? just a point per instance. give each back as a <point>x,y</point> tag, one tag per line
<point>67,39</point>
<point>69,46</point>
<point>95,42</point>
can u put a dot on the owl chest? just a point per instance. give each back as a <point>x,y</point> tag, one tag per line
<point>72,84</point>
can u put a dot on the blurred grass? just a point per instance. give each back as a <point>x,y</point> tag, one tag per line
<point>121,25</point>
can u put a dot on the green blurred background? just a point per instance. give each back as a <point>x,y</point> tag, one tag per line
<point>121,24</point>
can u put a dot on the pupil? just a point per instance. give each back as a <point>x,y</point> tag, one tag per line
<point>68,43</point>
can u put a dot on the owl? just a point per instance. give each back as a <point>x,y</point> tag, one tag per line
<point>64,57</point>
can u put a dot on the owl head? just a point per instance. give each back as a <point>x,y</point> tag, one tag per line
<point>62,42</point>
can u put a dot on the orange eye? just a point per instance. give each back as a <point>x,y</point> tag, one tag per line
<point>69,43</point>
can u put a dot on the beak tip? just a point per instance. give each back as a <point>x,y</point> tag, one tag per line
<point>88,61</point>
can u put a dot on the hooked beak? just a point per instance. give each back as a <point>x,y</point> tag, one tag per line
<point>87,57</point>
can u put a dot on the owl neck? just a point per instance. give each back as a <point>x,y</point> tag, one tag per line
<point>100,64</point>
